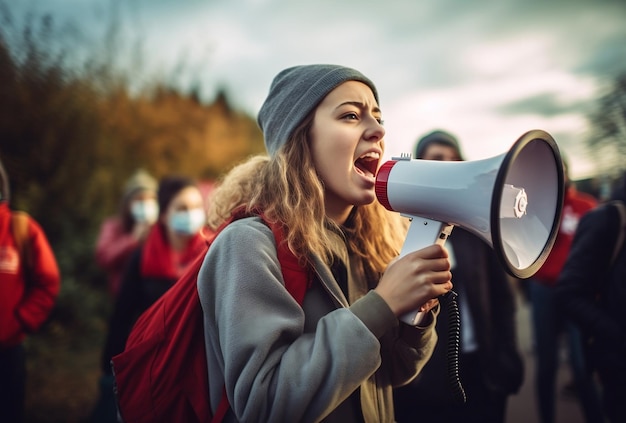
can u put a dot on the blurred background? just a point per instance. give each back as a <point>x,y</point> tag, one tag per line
<point>91,90</point>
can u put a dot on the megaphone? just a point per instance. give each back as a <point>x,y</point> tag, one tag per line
<point>512,201</point>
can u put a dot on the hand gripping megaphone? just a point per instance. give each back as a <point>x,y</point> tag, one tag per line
<point>512,201</point>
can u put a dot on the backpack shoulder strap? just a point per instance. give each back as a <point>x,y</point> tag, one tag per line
<point>621,233</point>
<point>295,275</point>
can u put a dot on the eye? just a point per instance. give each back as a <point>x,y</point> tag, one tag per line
<point>350,116</point>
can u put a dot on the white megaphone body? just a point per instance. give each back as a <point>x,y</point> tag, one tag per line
<point>512,201</point>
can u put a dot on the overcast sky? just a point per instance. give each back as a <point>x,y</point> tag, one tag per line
<point>487,71</point>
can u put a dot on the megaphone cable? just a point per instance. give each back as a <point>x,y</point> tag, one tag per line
<point>454,336</point>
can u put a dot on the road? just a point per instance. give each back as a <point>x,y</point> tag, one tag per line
<point>522,408</point>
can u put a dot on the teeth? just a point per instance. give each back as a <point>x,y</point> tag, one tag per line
<point>367,163</point>
<point>370,155</point>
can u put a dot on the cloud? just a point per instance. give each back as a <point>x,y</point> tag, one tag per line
<point>485,70</point>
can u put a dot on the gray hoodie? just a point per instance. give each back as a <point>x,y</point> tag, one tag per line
<point>284,363</point>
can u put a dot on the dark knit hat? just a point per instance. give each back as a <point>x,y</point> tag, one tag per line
<point>169,187</point>
<point>294,93</point>
<point>437,137</point>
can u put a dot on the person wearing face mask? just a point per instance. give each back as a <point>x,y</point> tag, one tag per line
<point>121,234</point>
<point>172,244</point>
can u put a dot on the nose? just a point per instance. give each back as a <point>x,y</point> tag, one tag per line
<point>375,130</point>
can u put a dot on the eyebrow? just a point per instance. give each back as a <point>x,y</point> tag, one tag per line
<point>359,105</point>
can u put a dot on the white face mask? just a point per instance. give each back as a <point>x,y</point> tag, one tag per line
<point>145,211</point>
<point>187,222</point>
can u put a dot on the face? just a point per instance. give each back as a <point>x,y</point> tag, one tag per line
<point>347,145</point>
<point>441,152</point>
<point>143,207</point>
<point>187,201</point>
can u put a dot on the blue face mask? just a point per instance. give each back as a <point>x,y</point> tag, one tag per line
<point>187,222</point>
<point>145,211</point>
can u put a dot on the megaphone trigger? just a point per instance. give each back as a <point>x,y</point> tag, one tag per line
<point>424,232</point>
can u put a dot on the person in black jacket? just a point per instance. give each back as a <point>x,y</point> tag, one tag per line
<point>591,292</point>
<point>491,367</point>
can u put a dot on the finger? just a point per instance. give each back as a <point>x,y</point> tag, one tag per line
<point>434,251</point>
<point>440,265</point>
<point>429,305</point>
<point>440,290</point>
<point>447,286</point>
<point>440,278</point>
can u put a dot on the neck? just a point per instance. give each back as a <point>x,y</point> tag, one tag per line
<point>336,209</point>
<point>338,215</point>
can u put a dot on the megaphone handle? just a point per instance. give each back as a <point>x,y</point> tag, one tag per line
<point>422,233</point>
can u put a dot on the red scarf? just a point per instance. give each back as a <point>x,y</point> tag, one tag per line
<point>159,260</point>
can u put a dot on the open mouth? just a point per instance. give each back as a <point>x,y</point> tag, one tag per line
<point>367,164</point>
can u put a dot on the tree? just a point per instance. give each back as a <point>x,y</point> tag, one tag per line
<point>608,122</point>
<point>71,133</point>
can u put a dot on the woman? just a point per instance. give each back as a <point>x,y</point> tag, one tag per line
<point>337,357</point>
<point>120,235</point>
<point>172,244</point>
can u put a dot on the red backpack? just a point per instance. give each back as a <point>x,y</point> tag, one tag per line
<point>161,376</point>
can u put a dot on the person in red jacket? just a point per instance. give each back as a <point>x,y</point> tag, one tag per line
<point>29,284</point>
<point>549,324</point>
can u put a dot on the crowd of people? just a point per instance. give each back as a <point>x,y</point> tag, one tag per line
<point>156,235</point>
<point>342,354</point>
<point>549,324</point>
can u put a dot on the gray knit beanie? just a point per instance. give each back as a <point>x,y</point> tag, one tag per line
<point>139,181</point>
<point>294,93</point>
<point>437,137</point>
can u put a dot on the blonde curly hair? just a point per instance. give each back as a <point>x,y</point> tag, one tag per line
<point>287,189</point>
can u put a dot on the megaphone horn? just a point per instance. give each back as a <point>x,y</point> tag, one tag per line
<point>512,201</point>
